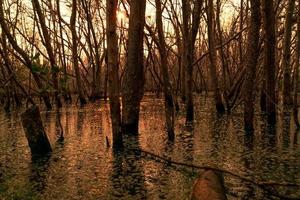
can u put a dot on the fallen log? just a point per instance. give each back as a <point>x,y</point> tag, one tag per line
<point>34,131</point>
<point>209,186</point>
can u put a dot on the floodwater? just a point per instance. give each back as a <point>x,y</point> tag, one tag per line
<point>83,166</point>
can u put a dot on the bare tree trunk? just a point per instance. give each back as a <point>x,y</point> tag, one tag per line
<point>67,95</point>
<point>34,130</point>
<point>297,78</point>
<point>286,61</point>
<point>269,59</point>
<point>190,31</point>
<point>75,53</point>
<point>169,103</point>
<point>47,39</point>
<point>134,75</point>
<point>96,85</point>
<point>213,57</point>
<point>251,63</point>
<point>113,71</point>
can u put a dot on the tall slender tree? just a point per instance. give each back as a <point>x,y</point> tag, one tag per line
<point>49,48</point>
<point>297,77</point>
<point>113,71</point>
<point>133,82</point>
<point>189,34</point>
<point>213,56</point>
<point>251,63</point>
<point>75,53</point>
<point>269,58</point>
<point>286,60</point>
<point>169,103</point>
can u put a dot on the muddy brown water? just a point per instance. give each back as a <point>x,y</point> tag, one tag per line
<point>82,167</point>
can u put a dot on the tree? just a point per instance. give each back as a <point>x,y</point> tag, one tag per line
<point>47,40</point>
<point>189,34</point>
<point>269,58</point>
<point>75,53</point>
<point>297,78</point>
<point>134,74</point>
<point>213,56</point>
<point>24,58</point>
<point>251,63</point>
<point>113,71</point>
<point>286,60</point>
<point>169,103</point>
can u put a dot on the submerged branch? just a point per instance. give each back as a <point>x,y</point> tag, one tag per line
<point>261,184</point>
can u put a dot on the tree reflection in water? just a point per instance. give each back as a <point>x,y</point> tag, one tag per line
<point>83,167</point>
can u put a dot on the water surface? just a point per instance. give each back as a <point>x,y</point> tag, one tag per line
<point>84,167</point>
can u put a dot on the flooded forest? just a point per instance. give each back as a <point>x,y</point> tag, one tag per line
<point>149,99</point>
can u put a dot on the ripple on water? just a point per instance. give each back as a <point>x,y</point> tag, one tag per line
<point>82,167</point>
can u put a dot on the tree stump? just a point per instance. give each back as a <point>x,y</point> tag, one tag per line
<point>209,186</point>
<point>35,132</point>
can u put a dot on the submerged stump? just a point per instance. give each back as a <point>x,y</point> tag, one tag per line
<point>35,132</point>
<point>209,186</point>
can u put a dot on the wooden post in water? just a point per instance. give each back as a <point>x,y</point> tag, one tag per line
<point>209,186</point>
<point>34,130</point>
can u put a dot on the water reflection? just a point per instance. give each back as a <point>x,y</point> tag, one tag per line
<point>38,173</point>
<point>83,167</point>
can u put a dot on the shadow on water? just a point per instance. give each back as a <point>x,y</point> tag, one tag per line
<point>127,176</point>
<point>38,172</point>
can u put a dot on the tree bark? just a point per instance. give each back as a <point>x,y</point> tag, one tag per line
<point>47,39</point>
<point>113,71</point>
<point>286,61</point>
<point>75,53</point>
<point>34,130</point>
<point>213,57</point>
<point>134,75</point>
<point>269,59</point>
<point>169,103</point>
<point>190,31</point>
<point>297,78</point>
<point>251,63</point>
